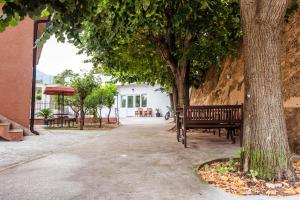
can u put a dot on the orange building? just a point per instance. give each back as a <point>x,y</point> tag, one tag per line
<point>16,70</point>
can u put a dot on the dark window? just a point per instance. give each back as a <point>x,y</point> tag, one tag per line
<point>130,102</point>
<point>123,101</point>
<point>144,100</point>
<point>137,101</point>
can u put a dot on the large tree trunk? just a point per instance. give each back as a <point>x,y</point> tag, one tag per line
<point>175,96</point>
<point>265,144</point>
<point>81,113</point>
<point>187,84</point>
<point>171,101</point>
<point>182,81</point>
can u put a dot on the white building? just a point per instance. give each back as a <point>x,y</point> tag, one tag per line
<point>134,96</point>
<point>42,101</point>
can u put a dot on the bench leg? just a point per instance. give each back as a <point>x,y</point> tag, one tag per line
<point>178,134</point>
<point>232,135</point>
<point>219,132</point>
<point>182,135</point>
<point>228,134</point>
<point>184,141</point>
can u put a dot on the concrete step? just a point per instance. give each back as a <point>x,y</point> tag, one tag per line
<point>4,127</point>
<point>10,134</point>
<point>16,134</point>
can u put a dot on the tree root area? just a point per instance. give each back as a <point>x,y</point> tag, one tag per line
<point>227,176</point>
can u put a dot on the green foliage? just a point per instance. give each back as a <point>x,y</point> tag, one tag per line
<point>222,170</point>
<point>45,113</point>
<point>238,153</point>
<point>65,77</point>
<point>84,85</point>
<point>138,41</point>
<point>96,99</point>
<point>73,102</point>
<point>110,91</point>
<point>38,95</point>
<point>253,173</point>
<point>230,167</point>
<point>293,7</point>
<point>100,97</point>
<point>206,167</point>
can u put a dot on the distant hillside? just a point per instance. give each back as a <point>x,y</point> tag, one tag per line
<point>43,78</point>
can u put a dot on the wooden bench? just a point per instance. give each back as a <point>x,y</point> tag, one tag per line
<point>229,117</point>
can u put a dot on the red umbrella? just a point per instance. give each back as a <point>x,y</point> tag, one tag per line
<point>59,90</point>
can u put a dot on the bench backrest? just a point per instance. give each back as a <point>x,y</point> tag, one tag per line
<point>212,114</point>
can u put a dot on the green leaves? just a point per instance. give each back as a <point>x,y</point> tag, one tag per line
<point>84,85</point>
<point>146,4</point>
<point>204,5</point>
<point>45,13</point>
<point>125,38</point>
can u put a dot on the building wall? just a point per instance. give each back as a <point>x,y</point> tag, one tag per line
<point>16,71</point>
<point>155,99</point>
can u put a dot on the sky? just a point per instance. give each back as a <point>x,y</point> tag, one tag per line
<point>57,56</point>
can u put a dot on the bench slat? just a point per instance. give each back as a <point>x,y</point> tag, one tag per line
<point>214,116</point>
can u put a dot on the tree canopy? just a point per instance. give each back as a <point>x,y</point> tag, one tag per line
<point>138,40</point>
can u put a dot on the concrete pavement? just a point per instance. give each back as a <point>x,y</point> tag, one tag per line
<point>140,160</point>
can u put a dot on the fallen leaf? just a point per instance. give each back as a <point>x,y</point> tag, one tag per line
<point>290,191</point>
<point>270,185</point>
<point>278,185</point>
<point>298,189</point>
<point>271,192</point>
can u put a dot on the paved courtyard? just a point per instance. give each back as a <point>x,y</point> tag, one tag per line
<point>139,160</point>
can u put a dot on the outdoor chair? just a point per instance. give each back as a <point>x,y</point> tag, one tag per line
<point>70,119</point>
<point>51,122</point>
<point>149,112</point>
<point>139,112</point>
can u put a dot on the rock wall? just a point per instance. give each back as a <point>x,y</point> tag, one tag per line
<point>226,86</point>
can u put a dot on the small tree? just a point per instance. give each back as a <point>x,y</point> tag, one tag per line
<point>83,86</point>
<point>96,101</point>
<point>91,104</point>
<point>110,91</point>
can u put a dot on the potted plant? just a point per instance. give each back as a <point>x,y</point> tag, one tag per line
<point>157,114</point>
<point>46,114</point>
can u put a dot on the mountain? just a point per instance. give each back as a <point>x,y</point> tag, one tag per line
<point>43,78</point>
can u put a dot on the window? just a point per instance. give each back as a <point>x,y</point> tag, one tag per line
<point>144,100</point>
<point>130,102</point>
<point>123,101</point>
<point>137,101</point>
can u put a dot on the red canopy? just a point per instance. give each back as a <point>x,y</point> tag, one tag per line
<point>59,90</point>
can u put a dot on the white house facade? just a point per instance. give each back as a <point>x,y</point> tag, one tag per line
<point>132,97</point>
